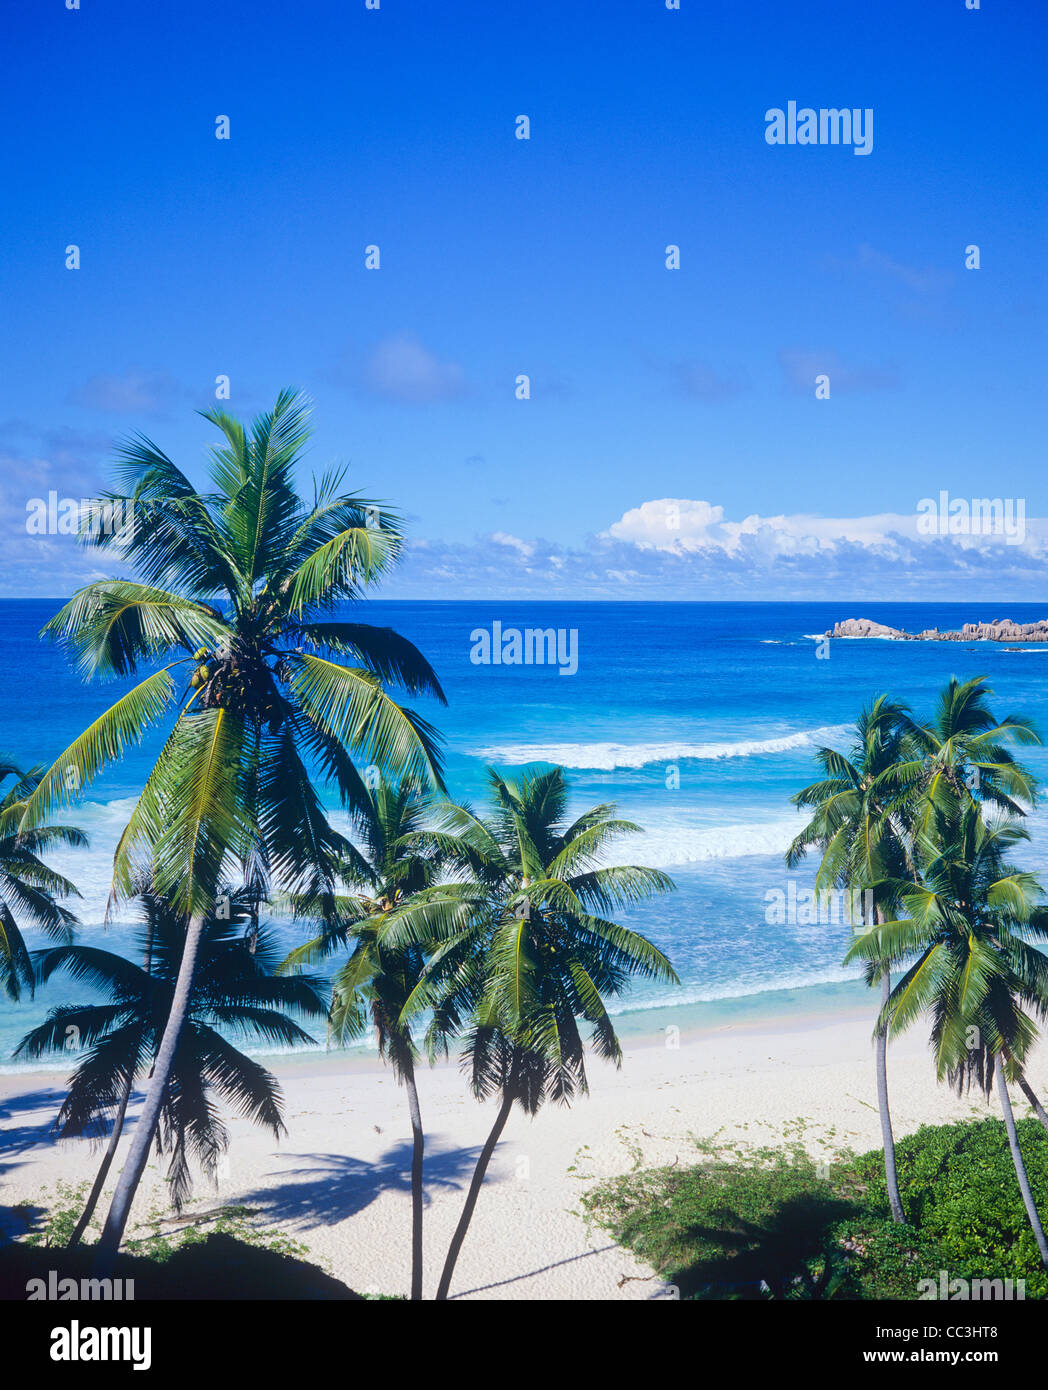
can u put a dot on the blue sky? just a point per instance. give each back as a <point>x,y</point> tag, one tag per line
<point>546,257</point>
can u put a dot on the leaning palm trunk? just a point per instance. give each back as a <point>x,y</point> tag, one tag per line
<point>149,1119</point>
<point>104,1167</point>
<point>475,1185</point>
<point>1031,1096</point>
<point>1020,1166</point>
<point>118,1129</point>
<point>891,1175</point>
<point>418,1143</point>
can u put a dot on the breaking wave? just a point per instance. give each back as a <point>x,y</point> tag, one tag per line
<point>606,757</point>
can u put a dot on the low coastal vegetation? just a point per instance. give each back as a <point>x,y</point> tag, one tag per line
<point>776,1223</point>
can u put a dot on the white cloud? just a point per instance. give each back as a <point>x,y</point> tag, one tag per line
<point>681,525</point>
<point>525,548</point>
<point>708,556</point>
<point>670,523</point>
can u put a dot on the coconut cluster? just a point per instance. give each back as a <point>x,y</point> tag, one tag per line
<point>238,679</point>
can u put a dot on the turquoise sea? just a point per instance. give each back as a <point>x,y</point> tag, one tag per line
<point>699,720</point>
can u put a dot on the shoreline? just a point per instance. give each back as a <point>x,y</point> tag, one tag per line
<point>642,1025</point>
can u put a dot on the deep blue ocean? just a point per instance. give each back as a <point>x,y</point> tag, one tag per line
<point>699,720</point>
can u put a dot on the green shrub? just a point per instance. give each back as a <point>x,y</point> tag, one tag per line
<point>774,1224</point>
<point>959,1187</point>
<point>873,1257</point>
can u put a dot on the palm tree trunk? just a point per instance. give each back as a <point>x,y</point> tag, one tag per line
<point>416,1183</point>
<point>104,1166</point>
<point>506,1106</point>
<point>149,1119</point>
<point>891,1175</point>
<point>118,1127</point>
<point>1031,1096</point>
<point>1020,1166</point>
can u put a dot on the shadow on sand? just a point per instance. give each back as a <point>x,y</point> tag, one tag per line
<point>325,1187</point>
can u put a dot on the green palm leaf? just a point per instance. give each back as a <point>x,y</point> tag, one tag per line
<point>351,706</point>
<point>102,742</point>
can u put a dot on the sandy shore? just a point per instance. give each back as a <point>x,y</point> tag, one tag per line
<point>338,1182</point>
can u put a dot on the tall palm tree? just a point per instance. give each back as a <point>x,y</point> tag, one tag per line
<point>234,991</point>
<point>965,758</point>
<point>973,967</point>
<point>240,587</point>
<point>522,950</point>
<point>396,860</point>
<point>29,890</point>
<point>863,808</point>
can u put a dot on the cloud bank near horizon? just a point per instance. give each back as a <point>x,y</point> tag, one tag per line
<point>665,548</point>
<point>685,548</point>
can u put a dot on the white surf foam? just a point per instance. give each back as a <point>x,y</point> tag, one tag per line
<point>666,847</point>
<point>606,757</point>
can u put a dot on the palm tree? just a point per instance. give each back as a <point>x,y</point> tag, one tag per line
<point>965,758</point>
<point>862,810</point>
<point>974,970</point>
<point>240,587</point>
<point>965,755</point>
<point>28,888</point>
<point>374,984</point>
<point>234,989</point>
<point>523,952</point>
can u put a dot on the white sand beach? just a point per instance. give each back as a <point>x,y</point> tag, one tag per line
<point>338,1182</point>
